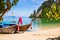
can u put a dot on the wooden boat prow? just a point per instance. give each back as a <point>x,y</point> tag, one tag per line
<point>10,29</point>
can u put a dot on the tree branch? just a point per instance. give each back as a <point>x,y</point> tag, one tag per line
<point>8,5</point>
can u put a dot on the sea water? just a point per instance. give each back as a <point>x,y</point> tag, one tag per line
<point>25,20</point>
<point>36,24</point>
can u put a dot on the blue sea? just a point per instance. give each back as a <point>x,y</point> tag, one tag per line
<point>14,20</point>
<point>36,24</point>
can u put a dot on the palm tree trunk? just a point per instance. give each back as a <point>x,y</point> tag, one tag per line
<point>8,6</point>
<point>58,2</point>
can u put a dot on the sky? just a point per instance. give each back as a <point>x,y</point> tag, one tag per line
<point>24,8</point>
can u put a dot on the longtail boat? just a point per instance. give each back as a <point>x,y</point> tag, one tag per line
<point>23,27</point>
<point>10,29</point>
<point>13,28</point>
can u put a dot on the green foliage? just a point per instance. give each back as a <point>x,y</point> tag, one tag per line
<point>53,7</point>
<point>45,4</point>
<point>58,10</point>
<point>1,19</point>
<point>14,2</point>
<point>32,15</point>
<point>52,12</point>
<point>6,5</point>
<point>2,5</point>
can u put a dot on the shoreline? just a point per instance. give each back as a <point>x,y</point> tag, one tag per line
<point>46,27</point>
<point>41,34</point>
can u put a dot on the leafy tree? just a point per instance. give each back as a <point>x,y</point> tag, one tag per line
<point>47,3</point>
<point>52,13</point>
<point>50,10</point>
<point>6,5</point>
<point>32,15</point>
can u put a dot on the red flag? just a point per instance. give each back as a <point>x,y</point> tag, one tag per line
<point>20,20</point>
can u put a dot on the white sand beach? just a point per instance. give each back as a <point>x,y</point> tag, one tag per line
<point>36,35</point>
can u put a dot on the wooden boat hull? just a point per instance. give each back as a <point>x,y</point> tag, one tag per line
<point>10,29</point>
<point>24,27</point>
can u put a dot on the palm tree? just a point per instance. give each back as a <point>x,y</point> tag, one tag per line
<point>6,5</point>
<point>47,3</point>
<point>51,0</point>
<point>58,2</point>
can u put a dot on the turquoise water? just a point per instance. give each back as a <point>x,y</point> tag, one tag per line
<point>10,20</point>
<point>36,24</point>
<point>14,20</point>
